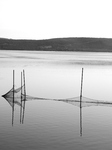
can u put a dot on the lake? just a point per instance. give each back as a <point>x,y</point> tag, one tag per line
<point>57,125</point>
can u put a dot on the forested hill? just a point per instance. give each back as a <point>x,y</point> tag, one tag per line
<point>59,44</point>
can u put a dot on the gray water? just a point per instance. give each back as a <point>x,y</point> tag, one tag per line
<point>52,125</point>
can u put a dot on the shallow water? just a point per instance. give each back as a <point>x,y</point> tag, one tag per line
<point>50,124</point>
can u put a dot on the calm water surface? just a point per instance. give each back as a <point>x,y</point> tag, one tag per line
<point>52,125</point>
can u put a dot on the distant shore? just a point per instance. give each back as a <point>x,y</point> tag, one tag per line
<point>59,44</point>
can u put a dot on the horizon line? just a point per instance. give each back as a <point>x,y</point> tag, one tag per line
<point>54,38</point>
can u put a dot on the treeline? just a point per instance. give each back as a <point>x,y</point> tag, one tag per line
<point>59,44</point>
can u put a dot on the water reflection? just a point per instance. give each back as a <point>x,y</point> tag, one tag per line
<point>19,97</point>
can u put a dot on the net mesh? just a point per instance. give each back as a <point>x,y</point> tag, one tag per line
<point>85,102</point>
<point>14,96</point>
<point>18,97</point>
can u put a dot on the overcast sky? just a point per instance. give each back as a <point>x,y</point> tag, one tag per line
<point>43,19</point>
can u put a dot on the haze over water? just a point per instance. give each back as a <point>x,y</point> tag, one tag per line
<point>50,124</point>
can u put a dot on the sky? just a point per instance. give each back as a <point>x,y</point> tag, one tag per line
<point>44,19</point>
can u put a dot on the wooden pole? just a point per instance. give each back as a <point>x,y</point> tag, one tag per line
<point>81,88</point>
<point>81,103</point>
<point>24,96</point>
<point>21,100</point>
<point>13,98</point>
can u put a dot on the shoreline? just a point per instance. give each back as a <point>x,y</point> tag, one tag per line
<point>59,44</point>
<point>55,51</point>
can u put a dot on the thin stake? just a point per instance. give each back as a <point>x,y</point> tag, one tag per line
<point>24,96</point>
<point>81,88</point>
<point>81,103</point>
<point>13,98</point>
<point>21,100</point>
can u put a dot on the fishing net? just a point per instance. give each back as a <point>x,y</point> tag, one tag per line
<point>86,102</point>
<point>17,96</point>
<point>77,101</point>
